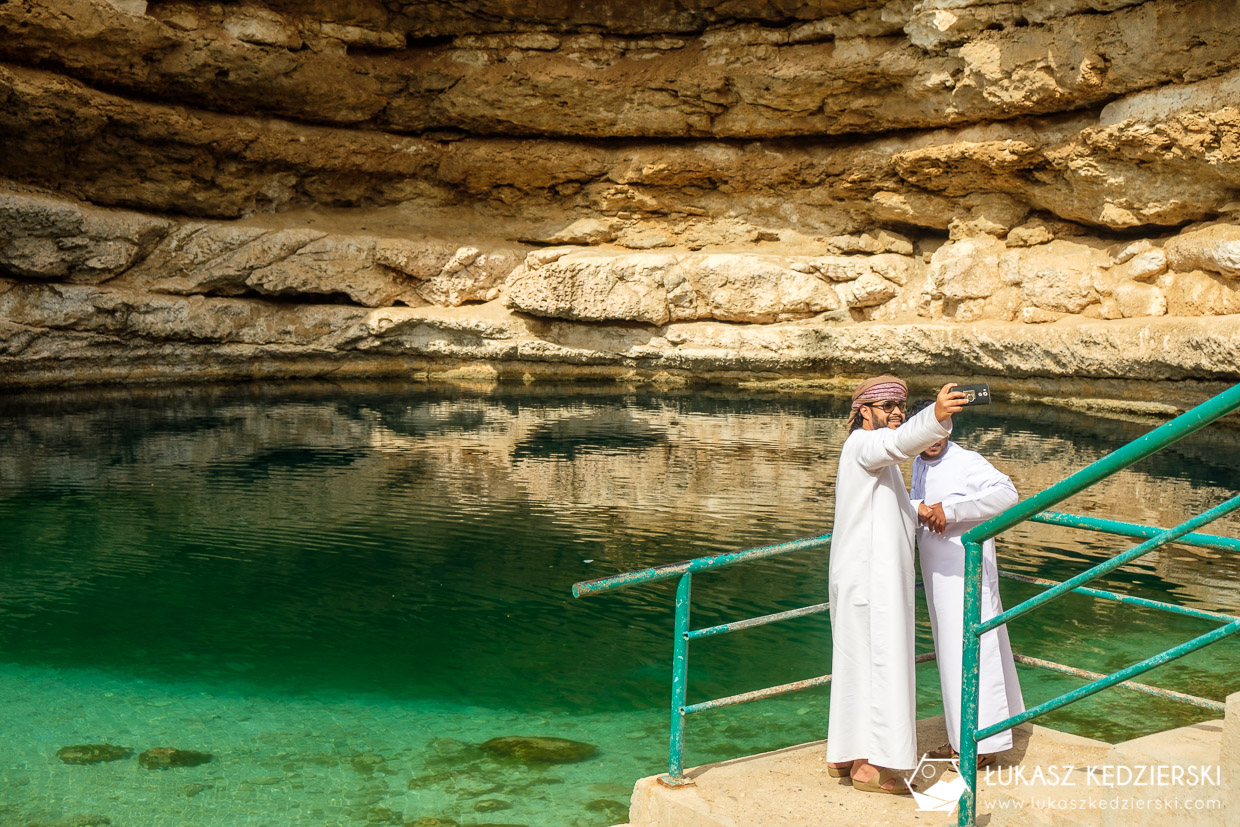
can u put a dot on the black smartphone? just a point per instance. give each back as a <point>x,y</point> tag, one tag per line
<point>976,394</point>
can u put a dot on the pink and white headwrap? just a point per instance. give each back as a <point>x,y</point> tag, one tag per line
<point>877,389</point>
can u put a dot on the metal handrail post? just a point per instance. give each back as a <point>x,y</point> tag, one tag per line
<point>680,681</point>
<point>969,682</point>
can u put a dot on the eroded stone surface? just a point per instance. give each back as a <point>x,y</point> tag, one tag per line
<point>655,288</point>
<point>49,238</point>
<point>973,180</point>
<point>1215,248</point>
<point>664,70</point>
<point>658,186</point>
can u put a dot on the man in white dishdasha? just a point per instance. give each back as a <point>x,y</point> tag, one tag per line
<point>872,728</point>
<point>954,490</point>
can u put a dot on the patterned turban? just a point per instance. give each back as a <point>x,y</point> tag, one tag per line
<point>877,389</point>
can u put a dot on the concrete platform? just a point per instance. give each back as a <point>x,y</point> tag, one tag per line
<point>1048,779</point>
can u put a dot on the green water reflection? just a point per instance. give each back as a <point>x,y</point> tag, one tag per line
<point>368,577</point>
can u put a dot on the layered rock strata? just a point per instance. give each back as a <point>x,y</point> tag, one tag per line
<point>1039,191</point>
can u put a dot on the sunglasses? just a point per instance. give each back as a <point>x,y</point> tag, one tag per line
<point>888,406</point>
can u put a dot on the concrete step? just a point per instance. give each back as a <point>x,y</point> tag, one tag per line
<point>1048,779</point>
<point>1168,772</point>
<point>791,788</point>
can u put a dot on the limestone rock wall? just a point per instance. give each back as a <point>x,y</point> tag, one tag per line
<point>790,188</point>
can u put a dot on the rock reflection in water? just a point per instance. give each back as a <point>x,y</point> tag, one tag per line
<point>416,546</point>
<point>621,468</point>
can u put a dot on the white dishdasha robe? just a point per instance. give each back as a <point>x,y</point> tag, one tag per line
<point>971,491</point>
<point>873,689</point>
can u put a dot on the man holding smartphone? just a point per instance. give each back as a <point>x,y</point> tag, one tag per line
<point>872,728</point>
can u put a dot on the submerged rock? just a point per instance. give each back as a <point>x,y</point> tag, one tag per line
<point>383,815</point>
<point>162,758</point>
<point>368,764</point>
<point>92,753</point>
<point>532,749</point>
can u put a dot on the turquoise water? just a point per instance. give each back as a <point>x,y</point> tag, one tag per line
<point>341,592</point>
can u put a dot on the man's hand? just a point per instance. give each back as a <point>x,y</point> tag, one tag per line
<point>948,402</point>
<point>932,516</point>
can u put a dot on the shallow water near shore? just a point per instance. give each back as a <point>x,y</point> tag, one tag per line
<point>342,592</point>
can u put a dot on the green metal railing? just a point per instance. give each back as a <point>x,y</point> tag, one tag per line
<point>1034,509</point>
<point>683,634</point>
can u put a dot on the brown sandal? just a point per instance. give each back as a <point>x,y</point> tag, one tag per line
<point>875,785</point>
<point>841,772</point>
